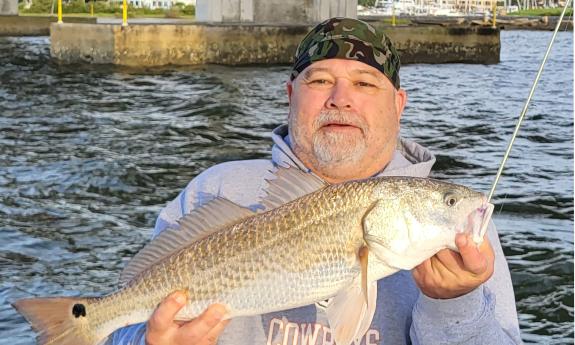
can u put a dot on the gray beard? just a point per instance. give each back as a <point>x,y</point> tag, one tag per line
<point>330,149</point>
<point>336,148</point>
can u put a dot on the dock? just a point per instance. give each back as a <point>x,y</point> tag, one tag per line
<point>147,45</point>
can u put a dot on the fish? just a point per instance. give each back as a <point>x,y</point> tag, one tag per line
<point>310,242</point>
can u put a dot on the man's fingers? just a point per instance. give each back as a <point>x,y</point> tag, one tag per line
<point>449,274</point>
<point>208,321</point>
<point>163,317</point>
<point>421,269</point>
<point>474,260</point>
<point>214,333</point>
<point>450,260</point>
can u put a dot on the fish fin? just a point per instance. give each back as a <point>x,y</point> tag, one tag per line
<point>289,184</point>
<point>349,314</point>
<point>363,259</point>
<point>61,320</point>
<point>199,223</point>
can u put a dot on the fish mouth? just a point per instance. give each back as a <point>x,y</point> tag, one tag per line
<point>478,220</point>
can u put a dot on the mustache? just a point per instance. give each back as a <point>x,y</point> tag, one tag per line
<point>339,117</point>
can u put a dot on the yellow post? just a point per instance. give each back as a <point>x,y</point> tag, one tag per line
<point>60,12</point>
<point>92,8</point>
<point>125,13</point>
<point>494,14</point>
<point>393,13</point>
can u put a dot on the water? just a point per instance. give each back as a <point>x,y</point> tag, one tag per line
<point>90,154</point>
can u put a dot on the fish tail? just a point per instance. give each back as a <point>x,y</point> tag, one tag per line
<point>63,320</point>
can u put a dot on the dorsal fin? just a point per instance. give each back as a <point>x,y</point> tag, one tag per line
<point>199,223</point>
<point>290,183</point>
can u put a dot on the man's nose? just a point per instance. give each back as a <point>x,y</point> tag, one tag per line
<point>340,96</point>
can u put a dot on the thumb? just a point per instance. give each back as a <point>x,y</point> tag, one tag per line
<point>473,259</point>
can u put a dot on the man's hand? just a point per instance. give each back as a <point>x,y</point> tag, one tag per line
<point>162,329</point>
<point>449,274</point>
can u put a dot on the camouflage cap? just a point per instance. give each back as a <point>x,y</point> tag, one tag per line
<point>351,39</point>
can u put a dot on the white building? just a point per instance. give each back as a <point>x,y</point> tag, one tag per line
<point>188,2</point>
<point>154,4</point>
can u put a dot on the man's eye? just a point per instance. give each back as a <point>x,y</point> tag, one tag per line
<point>364,84</point>
<point>319,81</point>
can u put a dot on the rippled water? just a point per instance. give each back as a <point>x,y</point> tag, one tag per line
<point>89,155</point>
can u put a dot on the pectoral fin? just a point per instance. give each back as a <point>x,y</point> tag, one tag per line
<point>351,311</point>
<point>363,260</point>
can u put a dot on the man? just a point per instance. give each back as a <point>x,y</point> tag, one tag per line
<point>344,118</point>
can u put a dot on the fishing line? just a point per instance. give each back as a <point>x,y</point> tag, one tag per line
<point>500,171</point>
<point>567,25</point>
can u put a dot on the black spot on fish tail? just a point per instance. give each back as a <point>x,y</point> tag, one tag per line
<point>79,310</point>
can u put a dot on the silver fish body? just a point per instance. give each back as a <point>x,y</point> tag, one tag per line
<point>303,251</point>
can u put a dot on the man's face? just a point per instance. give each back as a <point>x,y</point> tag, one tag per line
<point>344,118</point>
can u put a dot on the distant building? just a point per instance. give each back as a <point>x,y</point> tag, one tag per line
<point>187,2</point>
<point>151,4</point>
<point>154,4</point>
<point>431,7</point>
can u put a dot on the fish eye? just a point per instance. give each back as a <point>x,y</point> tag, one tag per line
<point>450,200</point>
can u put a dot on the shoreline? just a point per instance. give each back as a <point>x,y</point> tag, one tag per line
<point>39,24</point>
<point>544,23</point>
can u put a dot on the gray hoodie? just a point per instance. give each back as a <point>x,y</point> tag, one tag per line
<point>485,316</point>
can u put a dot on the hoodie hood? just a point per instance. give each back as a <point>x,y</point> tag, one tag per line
<point>409,158</point>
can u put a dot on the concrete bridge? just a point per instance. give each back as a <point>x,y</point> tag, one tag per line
<point>240,32</point>
<point>273,11</point>
<point>8,7</point>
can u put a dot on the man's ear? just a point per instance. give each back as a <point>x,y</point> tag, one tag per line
<point>289,88</point>
<point>400,101</point>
